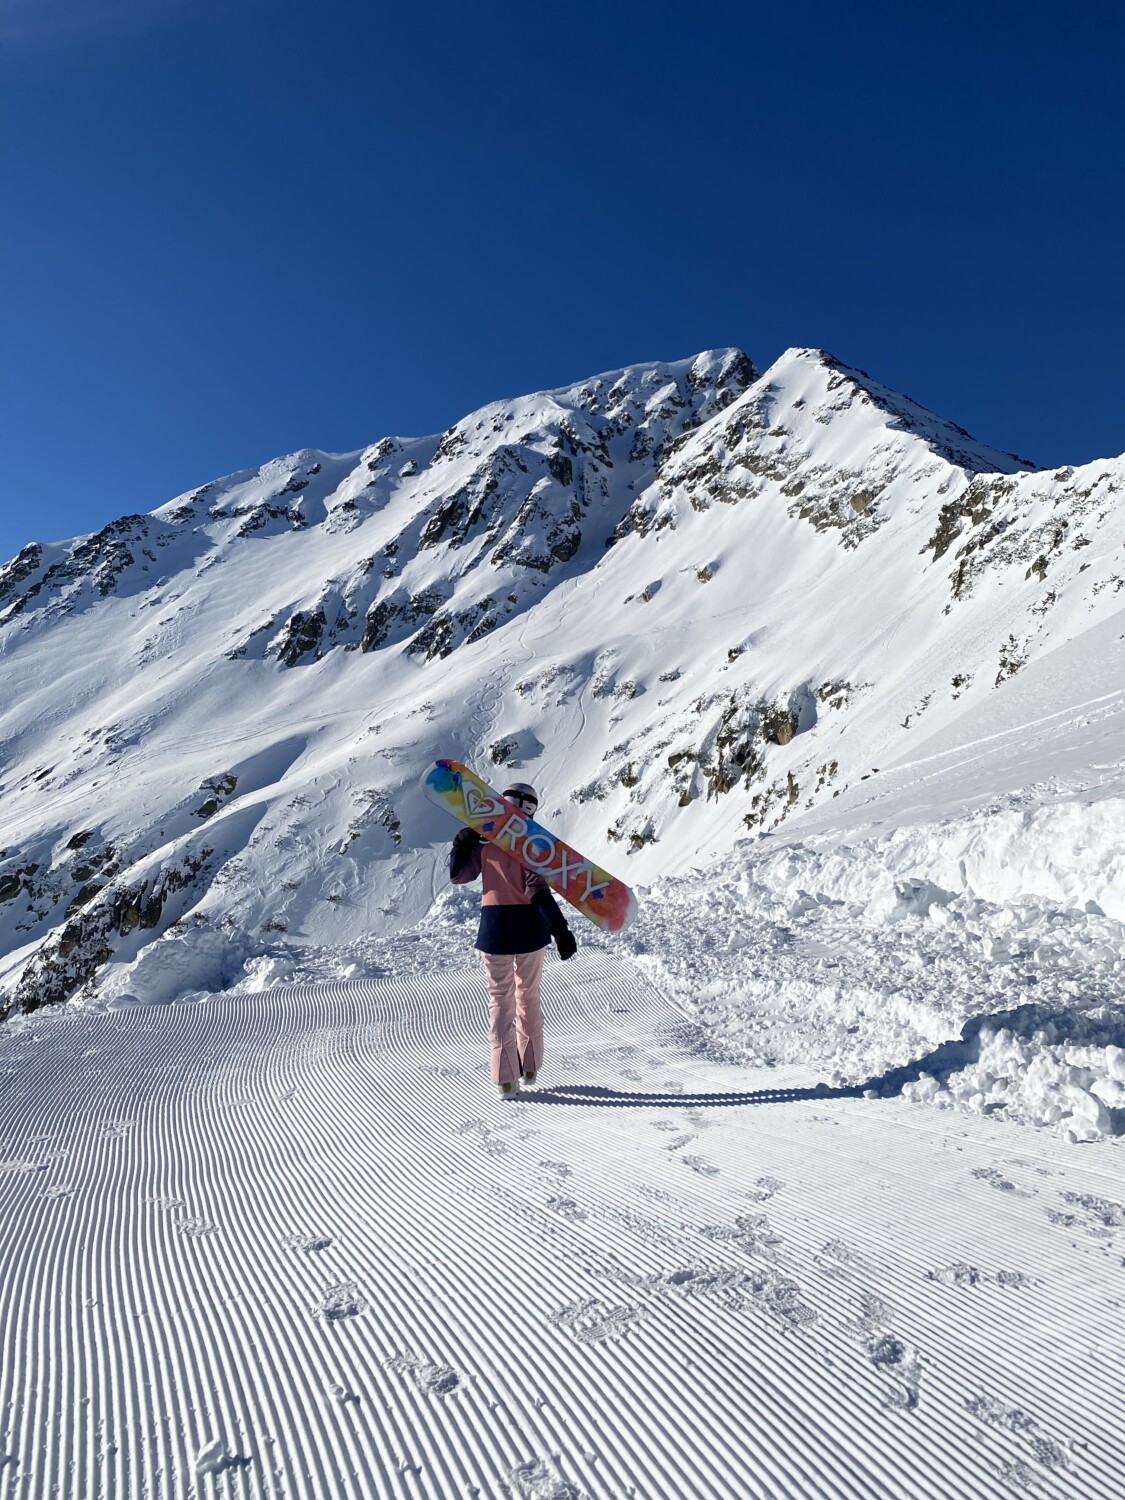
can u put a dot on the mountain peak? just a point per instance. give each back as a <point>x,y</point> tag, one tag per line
<point>946,439</point>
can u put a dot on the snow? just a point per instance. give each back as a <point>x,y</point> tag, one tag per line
<point>930,931</point>
<point>287,1244</point>
<point>825,1174</point>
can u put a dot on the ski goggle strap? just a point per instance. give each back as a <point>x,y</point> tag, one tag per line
<point>522,793</point>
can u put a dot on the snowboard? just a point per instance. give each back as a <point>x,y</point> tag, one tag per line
<point>607,902</point>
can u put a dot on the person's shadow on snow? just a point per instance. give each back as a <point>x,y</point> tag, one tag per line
<point>946,1058</point>
<point>591,1093</point>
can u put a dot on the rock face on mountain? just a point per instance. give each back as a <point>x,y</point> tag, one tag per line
<point>516,493</point>
<point>689,600</point>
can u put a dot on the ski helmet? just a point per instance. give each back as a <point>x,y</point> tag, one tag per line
<point>522,790</point>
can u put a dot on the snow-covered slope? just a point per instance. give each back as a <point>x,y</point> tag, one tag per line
<point>953,928</point>
<point>285,1245</point>
<point>692,602</point>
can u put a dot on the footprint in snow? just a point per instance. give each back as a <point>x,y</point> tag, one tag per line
<point>1099,1217</point>
<point>307,1243</point>
<point>1015,1280</point>
<point>344,1300</point>
<point>558,1168</point>
<point>166,1202</point>
<point>1031,1166</point>
<point>217,1457</point>
<point>566,1208</point>
<point>655,1194</point>
<point>961,1274</point>
<point>58,1190</point>
<point>195,1228</point>
<point>612,1054</point>
<point>591,1321</point>
<point>765,1188</point>
<point>699,1165</point>
<point>1041,1447</point>
<point>872,1314</point>
<point>995,1178</point>
<point>751,1233</point>
<point>899,1362</point>
<point>491,1142</point>
<point>734,1288</point>
<point>1016,1474</point>
<point>893,1357</point>
<point>838,1259</point>
<point>534,1480</point>
<point>426,1376</point>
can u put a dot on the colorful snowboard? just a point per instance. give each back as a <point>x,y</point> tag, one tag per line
<point>597,895</point>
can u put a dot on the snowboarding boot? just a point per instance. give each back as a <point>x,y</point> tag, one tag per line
<point>509,1090</point>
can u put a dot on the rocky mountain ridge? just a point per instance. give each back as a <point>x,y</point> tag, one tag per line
<point>691,600</point>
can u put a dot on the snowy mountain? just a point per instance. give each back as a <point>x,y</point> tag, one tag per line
<point>693,602</point>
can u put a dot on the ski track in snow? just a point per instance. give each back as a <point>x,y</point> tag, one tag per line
<point>288,1244</point>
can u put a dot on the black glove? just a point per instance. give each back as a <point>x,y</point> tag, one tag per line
<point>465,842</point>
<point>564,938</point>
<point>566,942</point>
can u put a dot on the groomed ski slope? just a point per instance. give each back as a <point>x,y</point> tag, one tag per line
<point>287,1244</point>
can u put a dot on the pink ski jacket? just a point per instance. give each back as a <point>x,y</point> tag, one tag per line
<point>511,920</point>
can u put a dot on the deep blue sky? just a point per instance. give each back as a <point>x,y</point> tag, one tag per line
<point>233,228</point>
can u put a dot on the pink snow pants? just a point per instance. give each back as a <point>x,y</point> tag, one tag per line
<point>515,1017</point>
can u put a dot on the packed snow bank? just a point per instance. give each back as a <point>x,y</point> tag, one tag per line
<point>976,963</point>
<point>188,962</point>
<point>1036,1071</point>
<point>1071,854</point>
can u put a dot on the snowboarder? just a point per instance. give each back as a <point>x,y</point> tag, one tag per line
<point>518,919</point>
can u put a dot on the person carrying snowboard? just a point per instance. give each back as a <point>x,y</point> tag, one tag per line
<point>518,919</point>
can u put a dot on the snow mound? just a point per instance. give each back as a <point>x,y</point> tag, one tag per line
<point>977,963</point>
